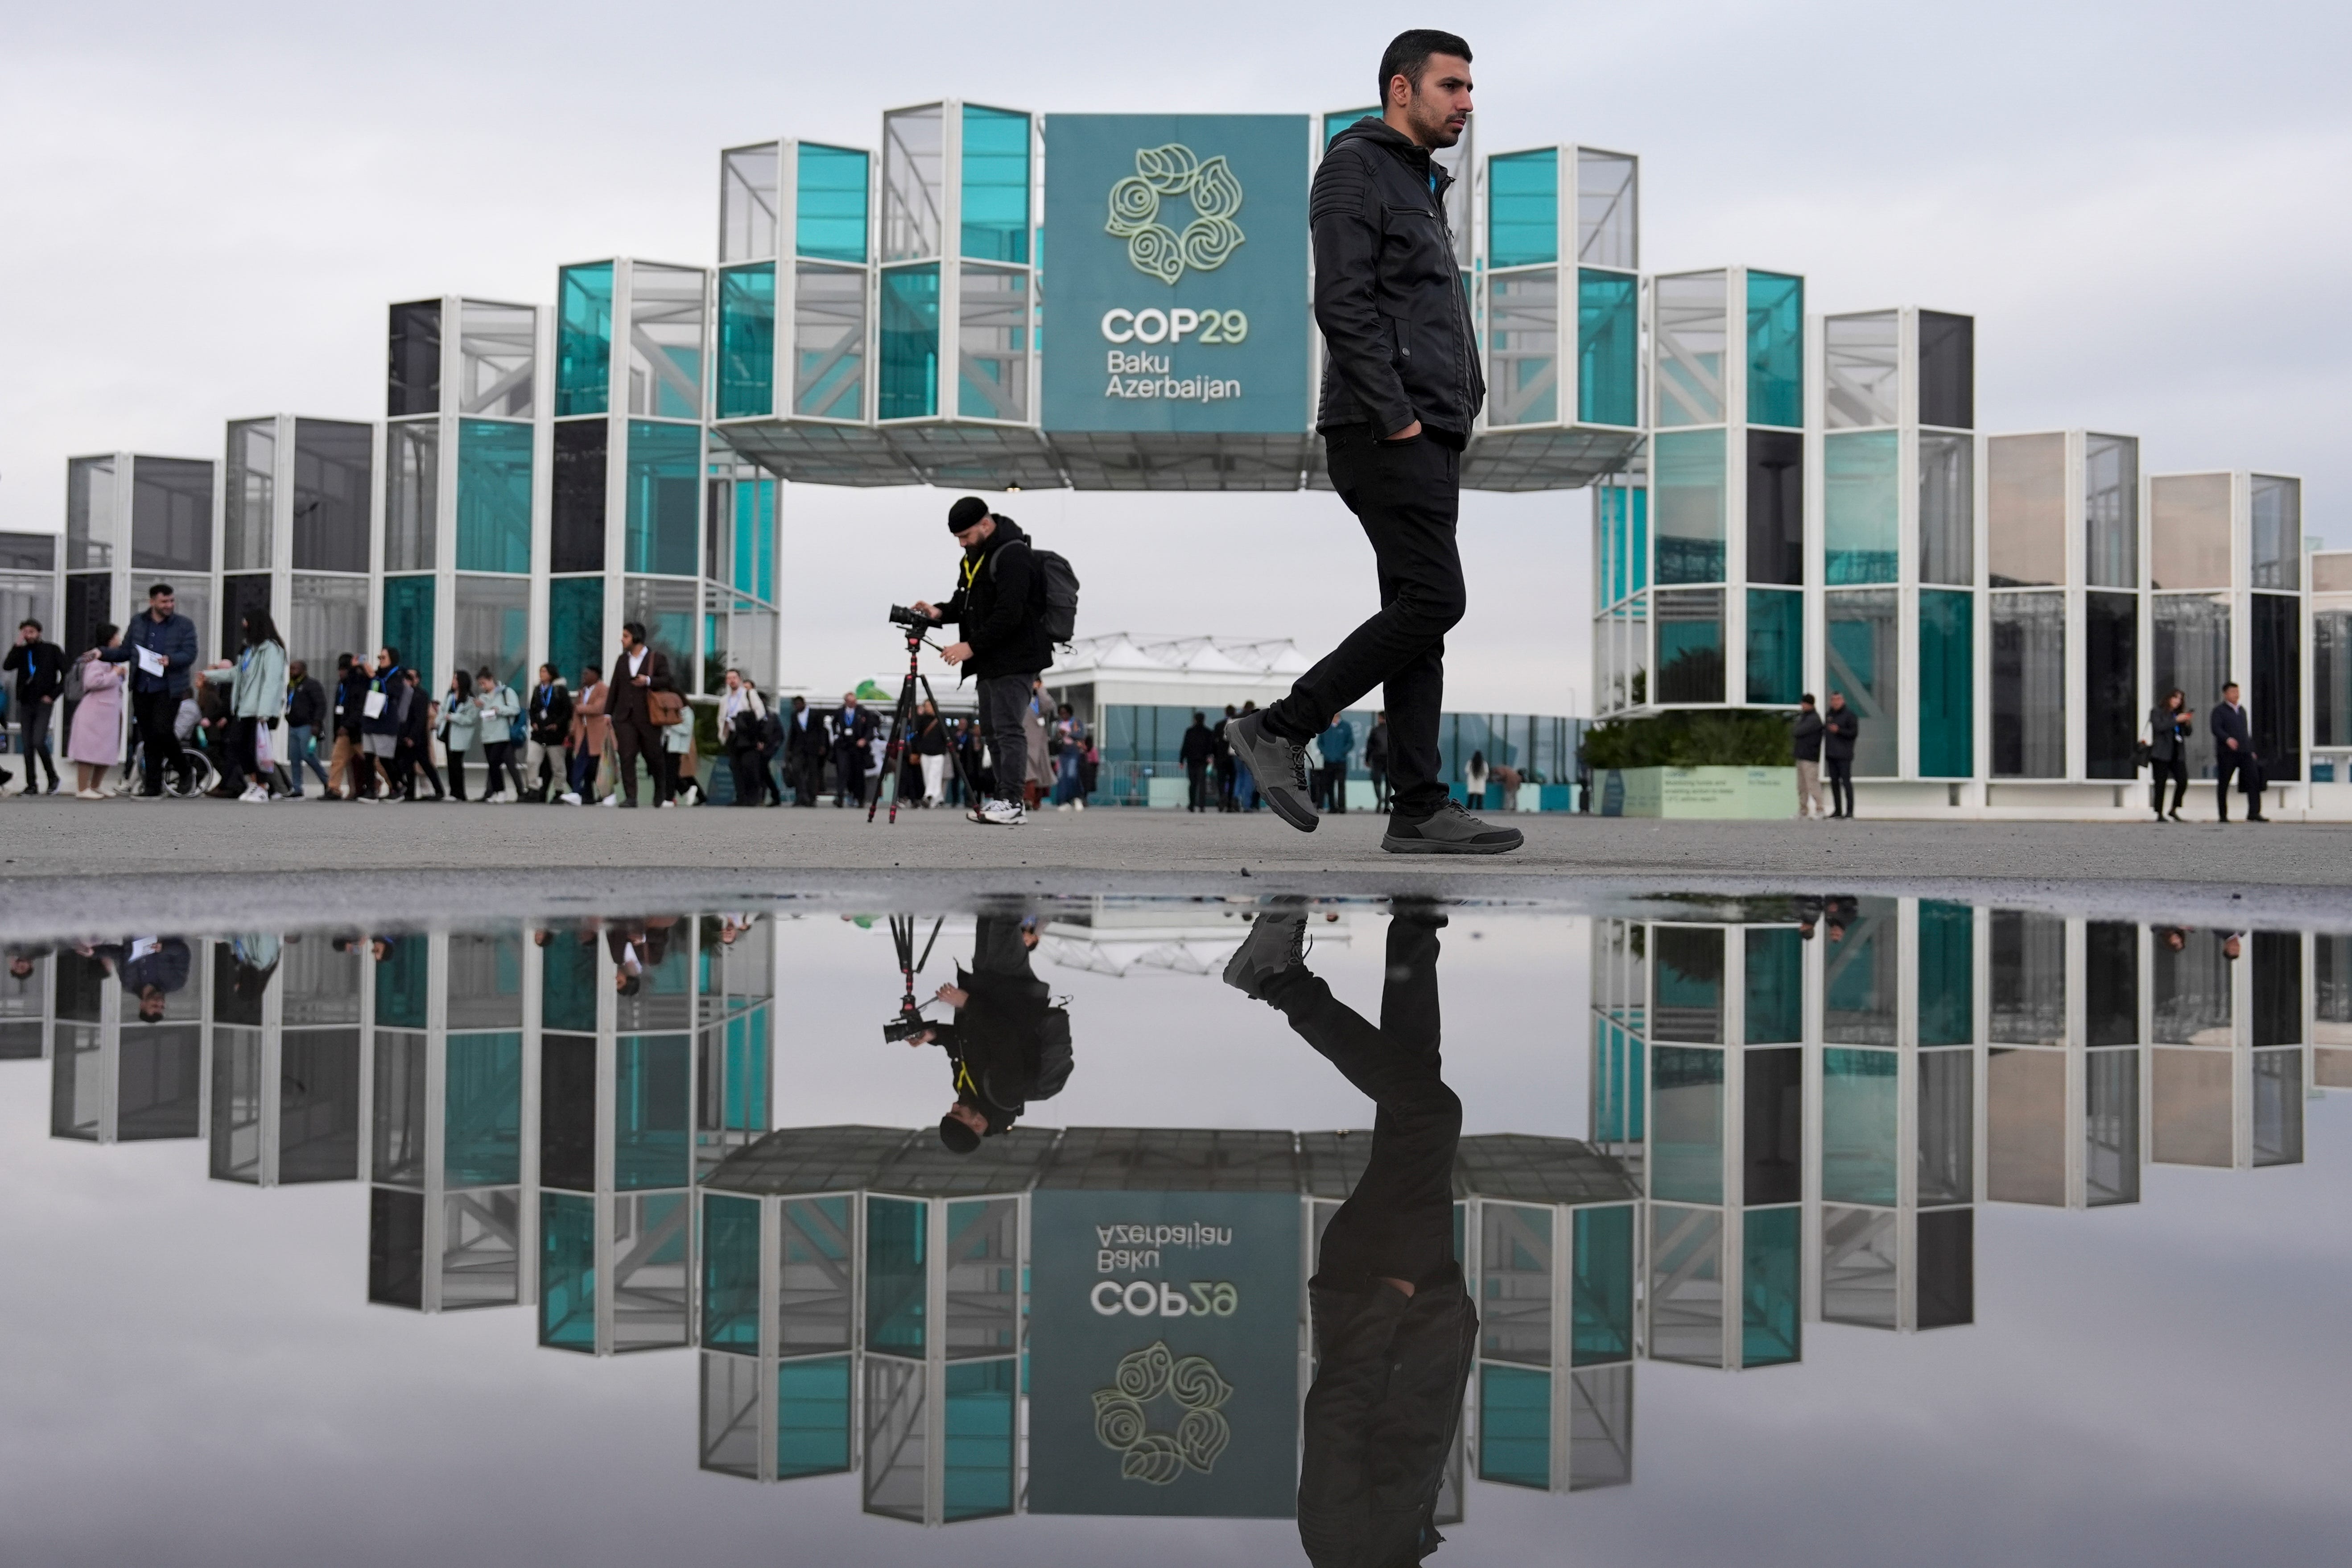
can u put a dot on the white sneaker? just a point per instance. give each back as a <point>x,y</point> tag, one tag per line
<point>569,798</point>
<point>1003,814</point>
<point>612,800</point>
<point>253,795</point>
<point>1063,807</point>
<point>1079,803</point>
<point>667,805</point>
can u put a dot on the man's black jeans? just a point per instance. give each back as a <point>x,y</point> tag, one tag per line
<point>1407,495</point>
<point>1004,719</point>
<point>1841,771</point>
<point>154,713</point>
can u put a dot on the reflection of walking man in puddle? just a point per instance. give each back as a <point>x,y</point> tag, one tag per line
<point>1395,1329</point>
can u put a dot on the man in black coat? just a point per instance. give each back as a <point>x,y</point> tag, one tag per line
<point>150,967</point>
<point>994,1043</point>
<point>39,666</point>
<point>2234,753</point>
<point>1395,1332</point>
<point>348,766</point>
<point>804,749</point>
<point>852,735</point>
<point>1198,751</point>
<point>551,726</point>
<point>1840,725</point>
<point>1001,642</point>
<point>1228,769</point>
<point>640,670</point>
<point>305,714</point>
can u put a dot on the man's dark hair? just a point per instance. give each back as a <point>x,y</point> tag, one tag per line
<point>392,653</point>
<point>1807,700</point>
<point>29,621</point>
<point>959,1138</point>
<point>155,588</point>
<point>343,661</point>
<point>635,629</point>
<point>1408,53</point>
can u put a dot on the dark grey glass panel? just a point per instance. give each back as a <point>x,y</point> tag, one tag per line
<point>89,600</point>
<point>80,987</point>
<point>567,1112</point>
<point>395,1247</point>
<point>1947,1268</point>
<point>2331,678</point>
<point>398,1113</point>
<point>2110,1127</point>
<point>334,465</point>
<point>319,1106</point>
<point>414,385</point>
<point>2028,686</point>
<point>171,515</point>
<point>2278,988</point>
<point>578,511</point>
<point>2029,978</point>
<point>486,980</point>
<point>1948,1137</point>
<point>158,1082</point>
<point>2111,983</point>
<point>2276,713</point>
<point>240,593</point>
<point>2276,509</point>
<point>2192,987</point>
<point>1775,508</point>
<point>1948,370</point>
<point>28,552</point>
<point>2278,1108</point>
<point>2113,714</point>
<point>235,999</point>
<point>1774,1146</point>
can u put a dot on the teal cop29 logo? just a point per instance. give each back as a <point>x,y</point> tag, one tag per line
<point>1154,247</point>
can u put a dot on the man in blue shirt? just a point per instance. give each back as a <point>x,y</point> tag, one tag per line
<point>159,647</point>
<point>1336,743</point>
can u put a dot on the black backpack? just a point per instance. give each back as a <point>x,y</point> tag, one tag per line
<point>1053,592</point>
<point>1054,1058</point>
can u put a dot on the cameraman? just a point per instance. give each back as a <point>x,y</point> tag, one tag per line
<point>995,1044</point>
<point>1003,642</point>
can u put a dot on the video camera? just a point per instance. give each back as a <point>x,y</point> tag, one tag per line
<point>913,620</point>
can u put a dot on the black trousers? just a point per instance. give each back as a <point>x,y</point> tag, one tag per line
<point>1379,785</point>
<point>2177,770</point>
<point>634,738</point>
<point>1226,781</point>
<point>1196,775</point>
<point>1399,1221</point>
<point>36,722</point>
<point>2249,770</point>
<point>1406,494</point>
<point>1335,786</point>
<point>849,774</point>
<point>153,712</point>
<point>1004,720</point>
<point>1841,772</point>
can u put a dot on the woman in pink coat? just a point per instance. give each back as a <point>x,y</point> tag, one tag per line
<point>96,743</point>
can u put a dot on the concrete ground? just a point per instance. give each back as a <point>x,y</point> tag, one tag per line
<point>519,858</point>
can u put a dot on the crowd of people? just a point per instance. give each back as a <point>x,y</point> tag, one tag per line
<point>1216,780</point>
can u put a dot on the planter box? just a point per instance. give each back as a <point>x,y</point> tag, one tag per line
<point>1717,792</point>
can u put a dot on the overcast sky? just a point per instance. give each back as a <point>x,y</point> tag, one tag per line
<point>207,208</point>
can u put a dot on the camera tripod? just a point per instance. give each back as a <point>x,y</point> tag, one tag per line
<point>902,718</point>
<point>910,1021</point>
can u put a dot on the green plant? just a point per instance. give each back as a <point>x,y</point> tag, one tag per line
<point>1699,737</point>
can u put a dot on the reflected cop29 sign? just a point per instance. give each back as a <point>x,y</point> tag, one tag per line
<point>1176,272</point>
<point>1163,1353</point>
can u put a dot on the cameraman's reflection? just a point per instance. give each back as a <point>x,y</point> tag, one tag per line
<point>1394,1329</point>
<point>1007,1044</point>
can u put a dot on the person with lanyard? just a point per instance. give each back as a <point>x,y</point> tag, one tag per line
<point>39,666</point>
<point>161,649</point>
<point>550,725</point>
<point>384,710</point>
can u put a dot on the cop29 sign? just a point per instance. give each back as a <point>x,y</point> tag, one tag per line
<point>1175,273</point>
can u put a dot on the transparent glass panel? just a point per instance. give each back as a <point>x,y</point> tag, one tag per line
<point>2025,1127</point>
<point>2191,986</point>
<point>1776,653</point>
<point>576,624</point>
<point>2192,655</point>
<point>1690,647</point>
<point>482,1125</point>
<point>1859,971</point>
<point>1694,329</point>
<point>2331,679</point>
<point>1776,350</point>
<point>1947,523</point>
<point>1608,211</point>
<point>413,379</point>
<point>1686,1125</point>
<point>1688,976</point>
<point>90,521</point>
<point>2026,510</point>
<point>1861,507</point>
<point>1523,208</point>
<point>1860,1120</point>
<point>486,979</point>
<point>750,189</point>
<point>731,1273</point>
<point>1685,1294</point>
<point>2110,1128</point>
<point>665,310</point>
<point>984,1267</point>
<point>335,475</point>
<point>1860,1267</point>
<point>1771,1292</point>
<point>1602,1286</point>
<point>731,1415</point>
<point>2188,532</point>
<point>1687,471</point>
<point>1515,1304</point>
<point>995,217</point>
<point>482,1249</point>
<point>398,1146</point>
<point>1948,370</point>
<point>2029,978</point>
<point>2277,509</point>
<point>1775,508</point>
<point>2189,1101</point>
<point>328,616</point>
<point>1600,1428</point>
<point>992,342</point>
<point>1861,365</point>
<point>1775,989</point>
<point>407,623</point>
<point>812,1417</point>
<point>898,1438</point>
<point>1514,1427</point>
<point>2276,709</point>
<point>1608,348</point>
<point>2110,511</point>
<point>813,1279</point>
<point>1946,683</point>
<point>2112,714</point>
<point>829,343</point>
<point>412,486</point>
<point>830,223</point>
<point>1947,1131</point>
<point>913,184</point>
<point>1522,348</point>
<point>77,1090</point>
<point>171,510</point>
<point>493,626</point>
<point>498,360</point>
<point>910,383</point>
<point>896,1244</point>
<point>494,486</point>
<point>1864,648</point>
<point>747,341</point>
<point>664,493</point>
<point>583,339</point>
<point>2278,1108</point>
<point>667,608</point>
<point>651,1286</point>
<point>2028,686</point>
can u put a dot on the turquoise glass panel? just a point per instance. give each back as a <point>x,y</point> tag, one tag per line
<point>493,497</point>
<point>1608,348</point>
<point>908,385</point>
<point>1947,673</point>
<point>1602,1287</point>
<point>1770,1335</point>
<point>747,341</point>
<point>743,1101</point>
<point>583,339</point>
<point>1686,1139</point>
<point>401,983</point>
<point>652,1112</point>
<point>1947,985</point>
<point>1686,468</point>
<point>664,491</point>
<point>408,621</point>
<point>1523,208</point>
<point>575,642</point>
<point>829,219</point>
<point>1776,350</point>
<point>1861,515</point>
<point>1776,645</point>
<point>812,1417</point>
<point>1775,989</point>
<point>995,184</point>
<point>753,568</point>
<point>1626,524</point>
<point>1690,647</point>
<point>897,1240</point>
<point>1858,1126</point>
<point>567,1271</point>
<point>1515,1426</point>
<point>1639,555</point>
<point>1334,123</point>
<point>979,1478</point>
<point>481,1129</point>
<point>731,1273</point>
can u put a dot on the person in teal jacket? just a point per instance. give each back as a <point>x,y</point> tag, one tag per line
<point>256,683</point>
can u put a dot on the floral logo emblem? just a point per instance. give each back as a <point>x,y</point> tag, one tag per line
<point>1123,1424</point>
<point>1158,250</point>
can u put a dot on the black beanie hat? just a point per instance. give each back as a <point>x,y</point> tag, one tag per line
<point>959,1138</point>
<point>965,513</point>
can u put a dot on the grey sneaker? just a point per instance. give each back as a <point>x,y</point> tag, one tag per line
<point>1448,830</point>
<point>1279,766</point>
<point>1277,943</point>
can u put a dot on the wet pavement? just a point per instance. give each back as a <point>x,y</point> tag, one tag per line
<point>879,1219</point>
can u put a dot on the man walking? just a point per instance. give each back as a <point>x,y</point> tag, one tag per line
<point>1003,639</point>
<point>804,746</point>
<point>161,649</point>
<point>39,666</point>
<point>1807,739</point>
<point>853,734</point>
<point>305,708</point>
<point>1198,750</point>
<point>551,726</point>
<point>1336,743</point>
<point>2234,753</point>
<point>1228,771</point>
<point>347,767</point>
<point>637,674</point>
<point>1401,390</point>
<point>1839,728</point>
<point>1376,759</point>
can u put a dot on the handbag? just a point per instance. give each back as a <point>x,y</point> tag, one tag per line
<point>664,707</point>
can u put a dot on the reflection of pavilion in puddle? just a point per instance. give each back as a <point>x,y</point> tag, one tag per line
<point>1122,937</point>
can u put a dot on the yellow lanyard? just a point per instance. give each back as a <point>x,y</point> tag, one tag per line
<point>970,571</point>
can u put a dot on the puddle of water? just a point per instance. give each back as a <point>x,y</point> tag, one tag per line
<point>1816,1229</point>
